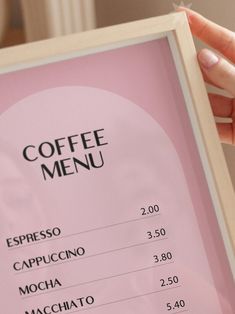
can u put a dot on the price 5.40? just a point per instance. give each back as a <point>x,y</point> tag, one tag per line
<point>171,306</point>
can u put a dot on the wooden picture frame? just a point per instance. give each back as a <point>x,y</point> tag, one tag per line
<point>174,28</point>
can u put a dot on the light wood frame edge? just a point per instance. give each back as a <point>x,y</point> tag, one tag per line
<point>206,122</point>
<point>29,53</point>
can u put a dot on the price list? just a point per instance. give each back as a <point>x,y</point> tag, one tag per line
<point>128,264</point>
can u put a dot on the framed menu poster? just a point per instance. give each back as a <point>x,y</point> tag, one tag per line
<point>115,197</point>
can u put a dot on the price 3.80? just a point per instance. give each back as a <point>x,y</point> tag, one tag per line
<point>163,257</point>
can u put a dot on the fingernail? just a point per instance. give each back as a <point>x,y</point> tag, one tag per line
<point>208,58</point>
<point>186,11</point>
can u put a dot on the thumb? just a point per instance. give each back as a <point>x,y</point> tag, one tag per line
<point>219,71</point>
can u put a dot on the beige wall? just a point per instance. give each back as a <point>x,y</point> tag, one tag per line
<point>117,11</point>
<point>111,12</point>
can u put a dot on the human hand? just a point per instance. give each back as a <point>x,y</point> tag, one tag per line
<point>217,70</point>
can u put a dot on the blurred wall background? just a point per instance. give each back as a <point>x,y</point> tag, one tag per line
<point>28,20</point>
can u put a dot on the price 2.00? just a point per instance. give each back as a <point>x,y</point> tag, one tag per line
<point>150,210</point>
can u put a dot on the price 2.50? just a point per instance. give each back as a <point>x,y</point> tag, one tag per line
<point>169,281</point>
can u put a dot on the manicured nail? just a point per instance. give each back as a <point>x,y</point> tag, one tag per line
<point>185,10</point>
<point>207,58</point>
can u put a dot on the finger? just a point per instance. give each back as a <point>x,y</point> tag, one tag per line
<point>207,80</point>
<point>212,34</point>
<point>218,70</point>
<point>222,106</point>
<point>226,132</point>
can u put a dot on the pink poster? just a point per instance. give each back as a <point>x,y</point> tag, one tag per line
<point>104,204</point>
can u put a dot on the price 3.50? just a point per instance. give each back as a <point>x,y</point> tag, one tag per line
<point>157,233</point>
